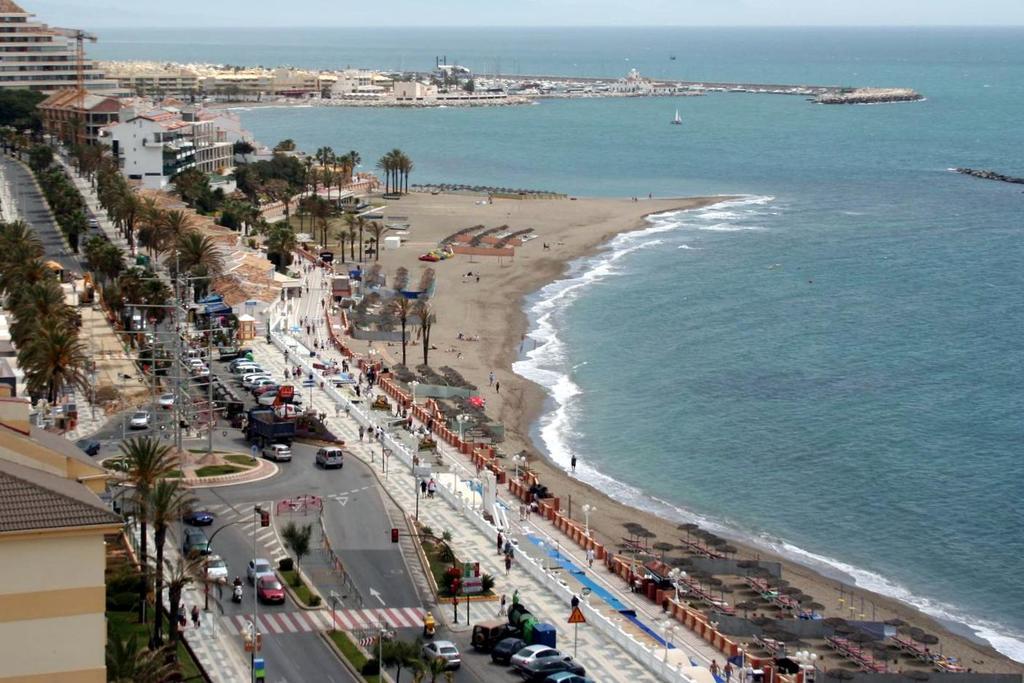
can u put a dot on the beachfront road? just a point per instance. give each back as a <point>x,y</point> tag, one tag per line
<point>33,210</point>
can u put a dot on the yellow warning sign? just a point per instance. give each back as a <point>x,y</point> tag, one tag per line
<point>577,616</point>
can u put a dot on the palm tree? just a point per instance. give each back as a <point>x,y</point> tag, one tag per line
<point>167,502</point>
<point>341,235</point>
<point>399,654</point>
<point>35,305</point>
<point>146,462</point>
<point>402,308</point>
<point>54,360</point>
<point>352,233</point>
<point>354,160</point>
<point>321,212</point>
<point>195,250</point>
<point>176,223</point>
<point>128,662</point>
<point>424,312</point>
<point>377,229</point>
<point>361,224</point>
<point>387,164</point>
<point>179,575</point>
<point>281,242</point>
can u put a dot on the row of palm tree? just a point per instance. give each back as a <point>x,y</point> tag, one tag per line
<point>44,328</point>
<point>396,166</point>
<point>405,310</point>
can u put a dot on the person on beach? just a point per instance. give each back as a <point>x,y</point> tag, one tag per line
<point>572,463</point>
<point>503,607</point>
<point>590,557</point>
<point>500,542</point>
<point>490,378</point>
<point>497,387</point>
<point>728,671</point>
<point>195,616</point>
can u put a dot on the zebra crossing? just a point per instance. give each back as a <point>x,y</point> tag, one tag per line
<point>319,620</point>
<point>246,521</point>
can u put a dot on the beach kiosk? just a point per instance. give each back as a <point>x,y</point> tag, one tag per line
<point>246,327</point>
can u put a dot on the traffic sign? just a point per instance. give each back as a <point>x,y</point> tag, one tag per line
<point>577,616</point>
<point>309,382</point>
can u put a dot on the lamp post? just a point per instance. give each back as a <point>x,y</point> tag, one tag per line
<point>518,460</point>
<point>587,509</point>
<point>461,419</point>
<point>412,388</point>
<point>670,628</point>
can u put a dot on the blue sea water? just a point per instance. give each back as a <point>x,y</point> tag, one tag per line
<point>832,364</point>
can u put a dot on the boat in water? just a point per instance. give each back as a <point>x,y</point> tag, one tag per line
<point>677,121</point>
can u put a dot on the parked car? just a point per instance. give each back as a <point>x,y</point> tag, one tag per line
<point>200,371</point>
<point>269,590</point>
<point>258,568</point>
<point>503,651</point>
<point>532,653</point>
<point>330,457</point>
<point>167,401</point>
<point>216,569</point>
<point>267,398</point>
<point>195,542</point>
<point>198,518</point>
<point>487,634</point>
<point>567,677</point>
<point>246,368</point>
<point>90,446</point>
<point>263,383</point>
<point>249,381</point>
<point>278,452</point>
<point>260,391</point>
<point>139,420</point>
<point>539,669</point>
<point>443,649</point>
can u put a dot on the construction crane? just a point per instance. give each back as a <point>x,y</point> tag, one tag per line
<point>79,36</point>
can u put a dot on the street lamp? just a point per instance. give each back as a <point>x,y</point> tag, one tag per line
<point>587,509</point>
<point>518,460</point>
<point>670,629</point>
<point>412,387</point>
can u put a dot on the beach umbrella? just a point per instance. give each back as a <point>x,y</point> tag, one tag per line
<point>916,633</point>
<point>862,637</point>
<point>729,549</point>
<point>789,590</point>
<point>840,674</point>
<point>834,621</point>
<point>663,547</point>
<point>777,584</point>
<point>689,528</point>
<point>713,581</point>
<point>813,606</point>
<point>760,572</point>
<point>895,622</point>
<point>928,639</point>
<point>746,606</point>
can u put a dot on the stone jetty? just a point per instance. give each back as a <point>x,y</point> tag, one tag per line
<point>989,175</point>
<point>869,96</point>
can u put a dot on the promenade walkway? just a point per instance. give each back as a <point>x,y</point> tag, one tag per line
<point>549,569</point>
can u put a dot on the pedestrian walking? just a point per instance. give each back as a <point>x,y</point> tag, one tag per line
<point>714,668</point>
<point>361,432</point>
<point>590,557</point>
<point>195,615</point>
<point>500,544</point>
<point>423,487</point>
<point>497,387</point>
<point>431,488</point>
<point>572,463</point>
<point>508,564</point>
<point>503,607</point>
<point>490,378</point>
<point>728,671</point>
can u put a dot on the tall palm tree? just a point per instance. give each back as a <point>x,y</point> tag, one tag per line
<point>321,213</point>
<point>402,308</point>
<point>281,242</point>
<point>424,311</point>
<point>195,250</point>
<point>128,662</point>
<point>168,501</point>
<point>354,161</point>
<point>352,233</point>
<point>35,305</point>
<point>146,462</point>
<point>377,229</point>
<point>341,234</point>
<point>54,360</point>
<point>180,574</point>
<point>361,224</point>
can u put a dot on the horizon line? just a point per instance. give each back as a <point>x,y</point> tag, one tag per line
<point>569,26</point>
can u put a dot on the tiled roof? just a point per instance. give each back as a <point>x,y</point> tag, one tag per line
<point>10,7</point>
<point>34,500</point>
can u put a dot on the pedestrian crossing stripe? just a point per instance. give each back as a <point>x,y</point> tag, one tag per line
<point>320,620</point>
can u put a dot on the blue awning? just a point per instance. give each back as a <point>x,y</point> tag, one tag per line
<point>211,299</point>
<point>217,308</point>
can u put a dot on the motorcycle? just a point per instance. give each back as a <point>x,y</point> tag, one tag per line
<point>236,594</point>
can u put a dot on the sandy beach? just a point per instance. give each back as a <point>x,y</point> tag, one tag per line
<point>491,308</point>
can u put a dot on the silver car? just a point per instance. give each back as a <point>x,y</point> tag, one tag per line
<point>139,420</point>
<point>443,649</point>
<point>278,452</point>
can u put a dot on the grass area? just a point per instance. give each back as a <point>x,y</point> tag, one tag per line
<point>292,578</point>
<point>351,652</point>
<point>437,565</point>
<point>174,474</point>
<point>243,460</point>
<point>217,470</point>
<point>126,624</point>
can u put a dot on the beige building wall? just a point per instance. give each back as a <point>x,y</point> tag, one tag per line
<point>52,623</point>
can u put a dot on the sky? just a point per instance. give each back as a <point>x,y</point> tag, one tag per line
<point>271,13</point>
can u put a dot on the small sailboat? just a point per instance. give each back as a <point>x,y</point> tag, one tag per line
<point>677,121</point>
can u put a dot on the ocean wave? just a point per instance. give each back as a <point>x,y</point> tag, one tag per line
<point>688,247</point>
<point>730,227</point>
<point>547,365</point>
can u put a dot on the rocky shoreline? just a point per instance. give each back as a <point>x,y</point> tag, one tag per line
<point>989,175</point>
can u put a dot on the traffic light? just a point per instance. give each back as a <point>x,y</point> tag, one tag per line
<point>394,534</point>
<point>264,518</point>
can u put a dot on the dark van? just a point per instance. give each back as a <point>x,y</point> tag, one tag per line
<point>486,634</point>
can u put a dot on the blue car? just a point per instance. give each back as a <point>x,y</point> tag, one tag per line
<point>567,677</point>
<point>198,518</point>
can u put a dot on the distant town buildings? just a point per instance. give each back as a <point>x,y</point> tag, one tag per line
<point>38,57</point>
<point>77,117</point>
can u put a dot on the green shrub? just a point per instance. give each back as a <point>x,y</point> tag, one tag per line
<point>370,668</point>
<point>314,600</point>
<point>122,602</point>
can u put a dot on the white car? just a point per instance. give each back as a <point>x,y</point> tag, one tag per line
<point>258,568</point>
<point>250,381</point>
<point>278,452</point>
<point>216,569</point>
<point>167,401</point>
<point>139,420</point>
<point>193,362</point>
<point>443,649</point>
<point>201,371</point>
<point>534,652</point>
<point>262,382</point>
<point>246,369</point>
<point>268,398</point>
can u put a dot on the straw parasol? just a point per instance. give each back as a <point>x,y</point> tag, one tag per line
<point>895,622</point>
<point>928,639</point>
<point>729,549</point>
<point>789,590</point>
<point>746,606</point>
<point>663,547</point>
<point>840,674</point>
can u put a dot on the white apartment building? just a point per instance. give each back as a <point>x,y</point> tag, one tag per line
<point>38,57</point>
<point>154,146</point>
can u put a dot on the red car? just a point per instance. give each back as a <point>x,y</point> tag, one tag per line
<point>259,391</point>
<point>269,591</point>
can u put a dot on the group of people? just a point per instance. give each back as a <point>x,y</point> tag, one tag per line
<point>428,487</point>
